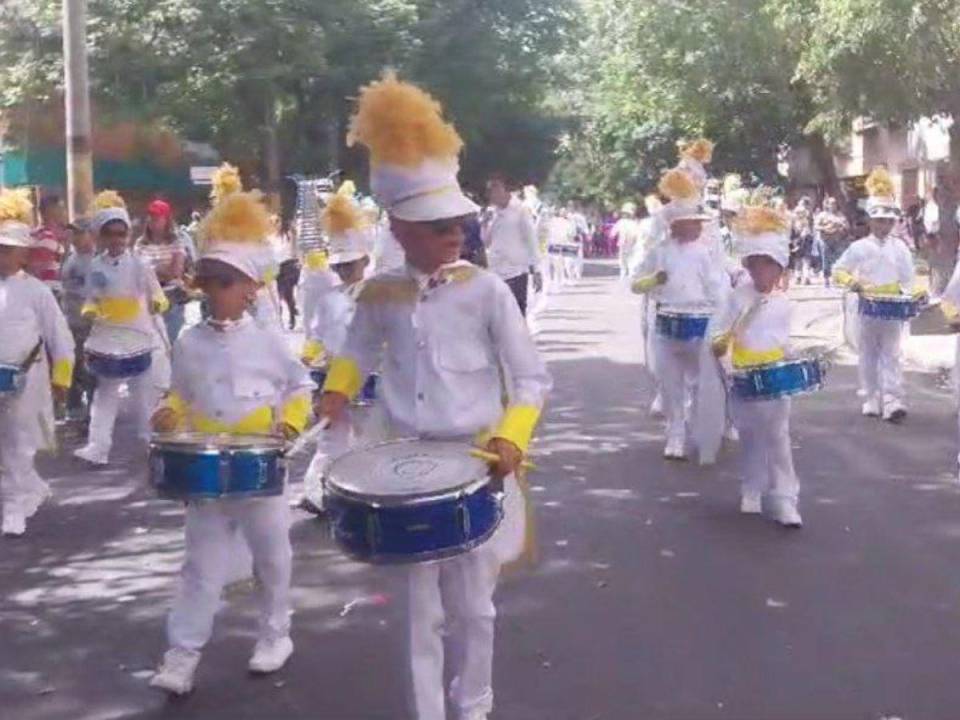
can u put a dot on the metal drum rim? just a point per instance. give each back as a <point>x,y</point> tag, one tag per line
<point>269,444</point>
<point>393,500</point>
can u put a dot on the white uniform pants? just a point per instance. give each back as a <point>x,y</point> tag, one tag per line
<point>453,600</point>
<point>767,457</point>
<point>211,527</point>
<point>880,358</point>
<point>19,481</point>
<point>678,370</point>
<point>106,403</point>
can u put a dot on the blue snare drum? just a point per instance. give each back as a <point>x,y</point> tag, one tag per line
<point>410,501</point>
<point>190,466</point>
<point>11,380</point>
<point>118,352</point>
<point>768,382</point>
<point>679,324</point>
<point>890,307</point>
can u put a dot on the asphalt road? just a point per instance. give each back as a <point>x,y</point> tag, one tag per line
<point>653,598</point>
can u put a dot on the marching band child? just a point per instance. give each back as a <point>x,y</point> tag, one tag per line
<point>230,375</point>
<point>755,323</point>
<point>349,258</point>
<point>31,328</point>
<point>879,265</point>
<point>679,273</point>
<point>444,328</point>
<point>124,293</point>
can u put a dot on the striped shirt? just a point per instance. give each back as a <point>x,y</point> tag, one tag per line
<point>45,256</point>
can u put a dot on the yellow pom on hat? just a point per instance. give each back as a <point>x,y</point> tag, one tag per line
<point>700,150</point>
<point>678,185</point>
<point>341,214</point>
<point>880,184</point>
<point>348,188</point>
<point>758,219</point>
<point>107,199</point>
<point>240,217</point>
<point>225,181</point>
<point>401,124</point>
<point>15,206</point>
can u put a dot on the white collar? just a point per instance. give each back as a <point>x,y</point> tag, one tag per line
<point>229,326</point>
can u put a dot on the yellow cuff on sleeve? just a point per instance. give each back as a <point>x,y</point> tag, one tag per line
<point>90,309</point>
<point>518,424</point>
<point>62,375</point>
<point>295,412</point>
<point>343,377</point>
<point>160,304</point>
<point>174,402</point>
<point>644,285</point>
<point>312,352</point>
<point>842,277</point>
<point>950,311</point>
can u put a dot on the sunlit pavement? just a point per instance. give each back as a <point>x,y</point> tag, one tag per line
<point>654,598</point>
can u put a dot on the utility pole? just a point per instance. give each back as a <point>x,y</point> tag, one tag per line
<point>76,80</point>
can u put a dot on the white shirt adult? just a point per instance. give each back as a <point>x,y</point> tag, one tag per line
<point>510,237</point>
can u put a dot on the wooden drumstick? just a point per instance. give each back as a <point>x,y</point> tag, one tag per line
<point>490,457</point>
<point>301,443</point>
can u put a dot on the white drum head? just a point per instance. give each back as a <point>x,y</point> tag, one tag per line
<point>118,341</point>
<point>406,469</point>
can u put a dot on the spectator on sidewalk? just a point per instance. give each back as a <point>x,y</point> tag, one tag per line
<point>164,250</point>
<point>832,229</point>
<point>802,241</point>
<point>49,245</point>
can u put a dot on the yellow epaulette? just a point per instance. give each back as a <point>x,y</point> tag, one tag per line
<point>388,290</point>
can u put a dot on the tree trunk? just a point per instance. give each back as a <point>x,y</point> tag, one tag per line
<point>823,159</point>
<point>271,156</point>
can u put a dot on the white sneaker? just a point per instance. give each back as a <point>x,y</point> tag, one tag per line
<point>175,674</point>
<point>871,408</point>
<point>271,655</point>
<point>675,449</point>
<point>656,407</point>
<point>14,520</point>
<point>894,411</point>
<point>751,504</point>
<point>787,514</point>
<point>92,455</point>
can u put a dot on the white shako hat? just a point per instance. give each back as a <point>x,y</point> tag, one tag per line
<point>346,228</point>
<point>16,213</point>
<point>762,230</point>
<point>236,232</point>
<point>108,206</point>
<point>684,195</point>
<point>413,152</point>
<point>881,201</point>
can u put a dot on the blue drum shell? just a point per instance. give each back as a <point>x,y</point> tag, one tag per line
<point>414,532</point>
<point>887,309</point>
<point>184,475</point>
<point>780,380</point>
<point>678,327</point>
<point>110,366</point>
<point>11,380</point>
<point>369,392</point>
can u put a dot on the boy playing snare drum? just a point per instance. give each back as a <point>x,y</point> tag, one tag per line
<point>879,265</point>
<point>31,329</point>
<point>447,333</point>
<point>679,273</point>
<point>231,376</point>
<point>755,323</point>
<point>124,293</point>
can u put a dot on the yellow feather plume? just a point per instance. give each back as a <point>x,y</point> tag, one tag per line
<point>107,199</point>
<point>731,182</point>
<point>348,188</point>
<point>15,205</point>
<point>700,150</point>
<point>225,181</point>
<point>677,185</point>
<point>401,124</point>
<point>880,184</point>
<point>240,217</point>
<point>341,214</point>
<point>756,219</point>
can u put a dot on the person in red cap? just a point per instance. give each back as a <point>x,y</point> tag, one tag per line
<point>161,246</point>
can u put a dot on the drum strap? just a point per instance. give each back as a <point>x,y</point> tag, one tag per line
<point>32,356</point>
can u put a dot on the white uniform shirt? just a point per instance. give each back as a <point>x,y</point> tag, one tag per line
<point>692,277</point>
<point>628,232</point>
<point>879,262</point>
<point>126,276</point>
<point>334,315</point>
<point>763,329</point>
<point>511,240</point>
<point>227,375</point>
<point>314,285</point>
<point>441,349</point>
